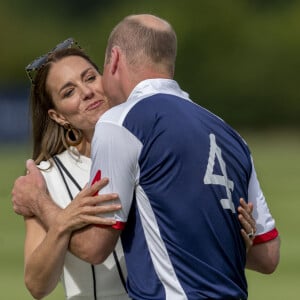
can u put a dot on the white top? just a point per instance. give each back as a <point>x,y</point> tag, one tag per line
<point>77,275</point>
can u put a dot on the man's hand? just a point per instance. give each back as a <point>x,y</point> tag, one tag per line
<point>27,191</point>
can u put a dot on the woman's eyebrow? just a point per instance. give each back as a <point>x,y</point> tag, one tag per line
<point>85,71</point>
<point>69,83</point>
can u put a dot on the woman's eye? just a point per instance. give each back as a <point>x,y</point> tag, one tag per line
<point>91,78</point>
<point>67,93</point>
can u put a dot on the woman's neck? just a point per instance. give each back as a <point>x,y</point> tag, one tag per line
<point>84,148</point>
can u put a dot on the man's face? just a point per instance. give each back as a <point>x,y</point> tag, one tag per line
<point>107,83</point>
<point>113,81</point>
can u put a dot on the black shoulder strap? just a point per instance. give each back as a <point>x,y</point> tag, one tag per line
<point>61,167</point>
<point>120,270</point>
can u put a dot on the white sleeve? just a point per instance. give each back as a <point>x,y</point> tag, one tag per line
<point>115,152</point>
<point>261,213</point>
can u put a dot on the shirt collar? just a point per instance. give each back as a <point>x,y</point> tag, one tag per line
<point>150,87</point>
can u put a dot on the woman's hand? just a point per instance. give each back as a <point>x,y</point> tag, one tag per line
<point>86,207</point>
<point>248,223</point>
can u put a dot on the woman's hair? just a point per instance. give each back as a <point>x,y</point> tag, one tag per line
<point>48,136</point>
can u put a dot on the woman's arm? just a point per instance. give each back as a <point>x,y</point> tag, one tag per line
<point>45,250</point>
<point>30,198</point>
<point>44,255</point>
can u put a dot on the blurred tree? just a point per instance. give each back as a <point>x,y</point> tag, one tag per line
<point>64,9</point>
<point>270,4</point>
<point>238,58</point>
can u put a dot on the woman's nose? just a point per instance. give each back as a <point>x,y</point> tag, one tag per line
<point>87,92</point>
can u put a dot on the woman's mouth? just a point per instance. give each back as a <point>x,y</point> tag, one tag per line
<point>94,105</point>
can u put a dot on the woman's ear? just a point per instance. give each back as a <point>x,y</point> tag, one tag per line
<point>55,116</point>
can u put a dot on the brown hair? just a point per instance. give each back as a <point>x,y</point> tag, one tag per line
<point>139,39</point>
<point>48,136</point>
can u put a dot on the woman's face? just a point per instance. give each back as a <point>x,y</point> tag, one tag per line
<point>76,89</point>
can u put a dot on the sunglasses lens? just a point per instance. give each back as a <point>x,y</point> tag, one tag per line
<point>36,63</point>
<point>64,45</point>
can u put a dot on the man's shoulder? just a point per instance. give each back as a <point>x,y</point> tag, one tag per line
<point>115,114</point>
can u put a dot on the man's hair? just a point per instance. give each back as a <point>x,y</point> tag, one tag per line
<point>142,42</point>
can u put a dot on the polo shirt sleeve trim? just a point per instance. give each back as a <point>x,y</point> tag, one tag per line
<point>118,225</point>
<point>265,237</point>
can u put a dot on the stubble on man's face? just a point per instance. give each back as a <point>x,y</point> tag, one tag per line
<point>106,83</point>
<point>112,87</point>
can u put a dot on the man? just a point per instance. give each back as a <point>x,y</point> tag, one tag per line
<point>179,171</point>
<point>159,148</point>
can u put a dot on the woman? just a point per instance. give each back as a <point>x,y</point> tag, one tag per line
<point>66,101</point>
<point>66,93</point>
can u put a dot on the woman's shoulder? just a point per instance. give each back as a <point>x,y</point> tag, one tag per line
<point>70,157</point>
<point>44,165</point>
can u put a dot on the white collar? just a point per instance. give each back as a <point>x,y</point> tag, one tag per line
<point>150,87</point>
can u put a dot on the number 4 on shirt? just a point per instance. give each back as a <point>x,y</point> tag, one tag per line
<point>215,153</point>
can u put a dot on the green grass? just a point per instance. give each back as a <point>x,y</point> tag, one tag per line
<point>277,159</point>
<point>12,286</point>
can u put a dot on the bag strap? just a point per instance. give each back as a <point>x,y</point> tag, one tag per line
<point>61,168</point>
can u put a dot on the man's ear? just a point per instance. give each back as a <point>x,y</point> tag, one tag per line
<point>55,116</point>
<point>115,59</point>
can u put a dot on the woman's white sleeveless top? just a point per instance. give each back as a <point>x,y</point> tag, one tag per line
<point>77,276</point>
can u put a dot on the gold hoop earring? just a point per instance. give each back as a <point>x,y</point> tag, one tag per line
<point>73,135</point>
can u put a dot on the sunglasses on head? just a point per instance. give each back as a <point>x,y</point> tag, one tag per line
<point>39,62</point>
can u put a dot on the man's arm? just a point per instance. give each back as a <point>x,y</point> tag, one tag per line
<point>264,257</point>
<point>261,257</point>
<point>30,198</point>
